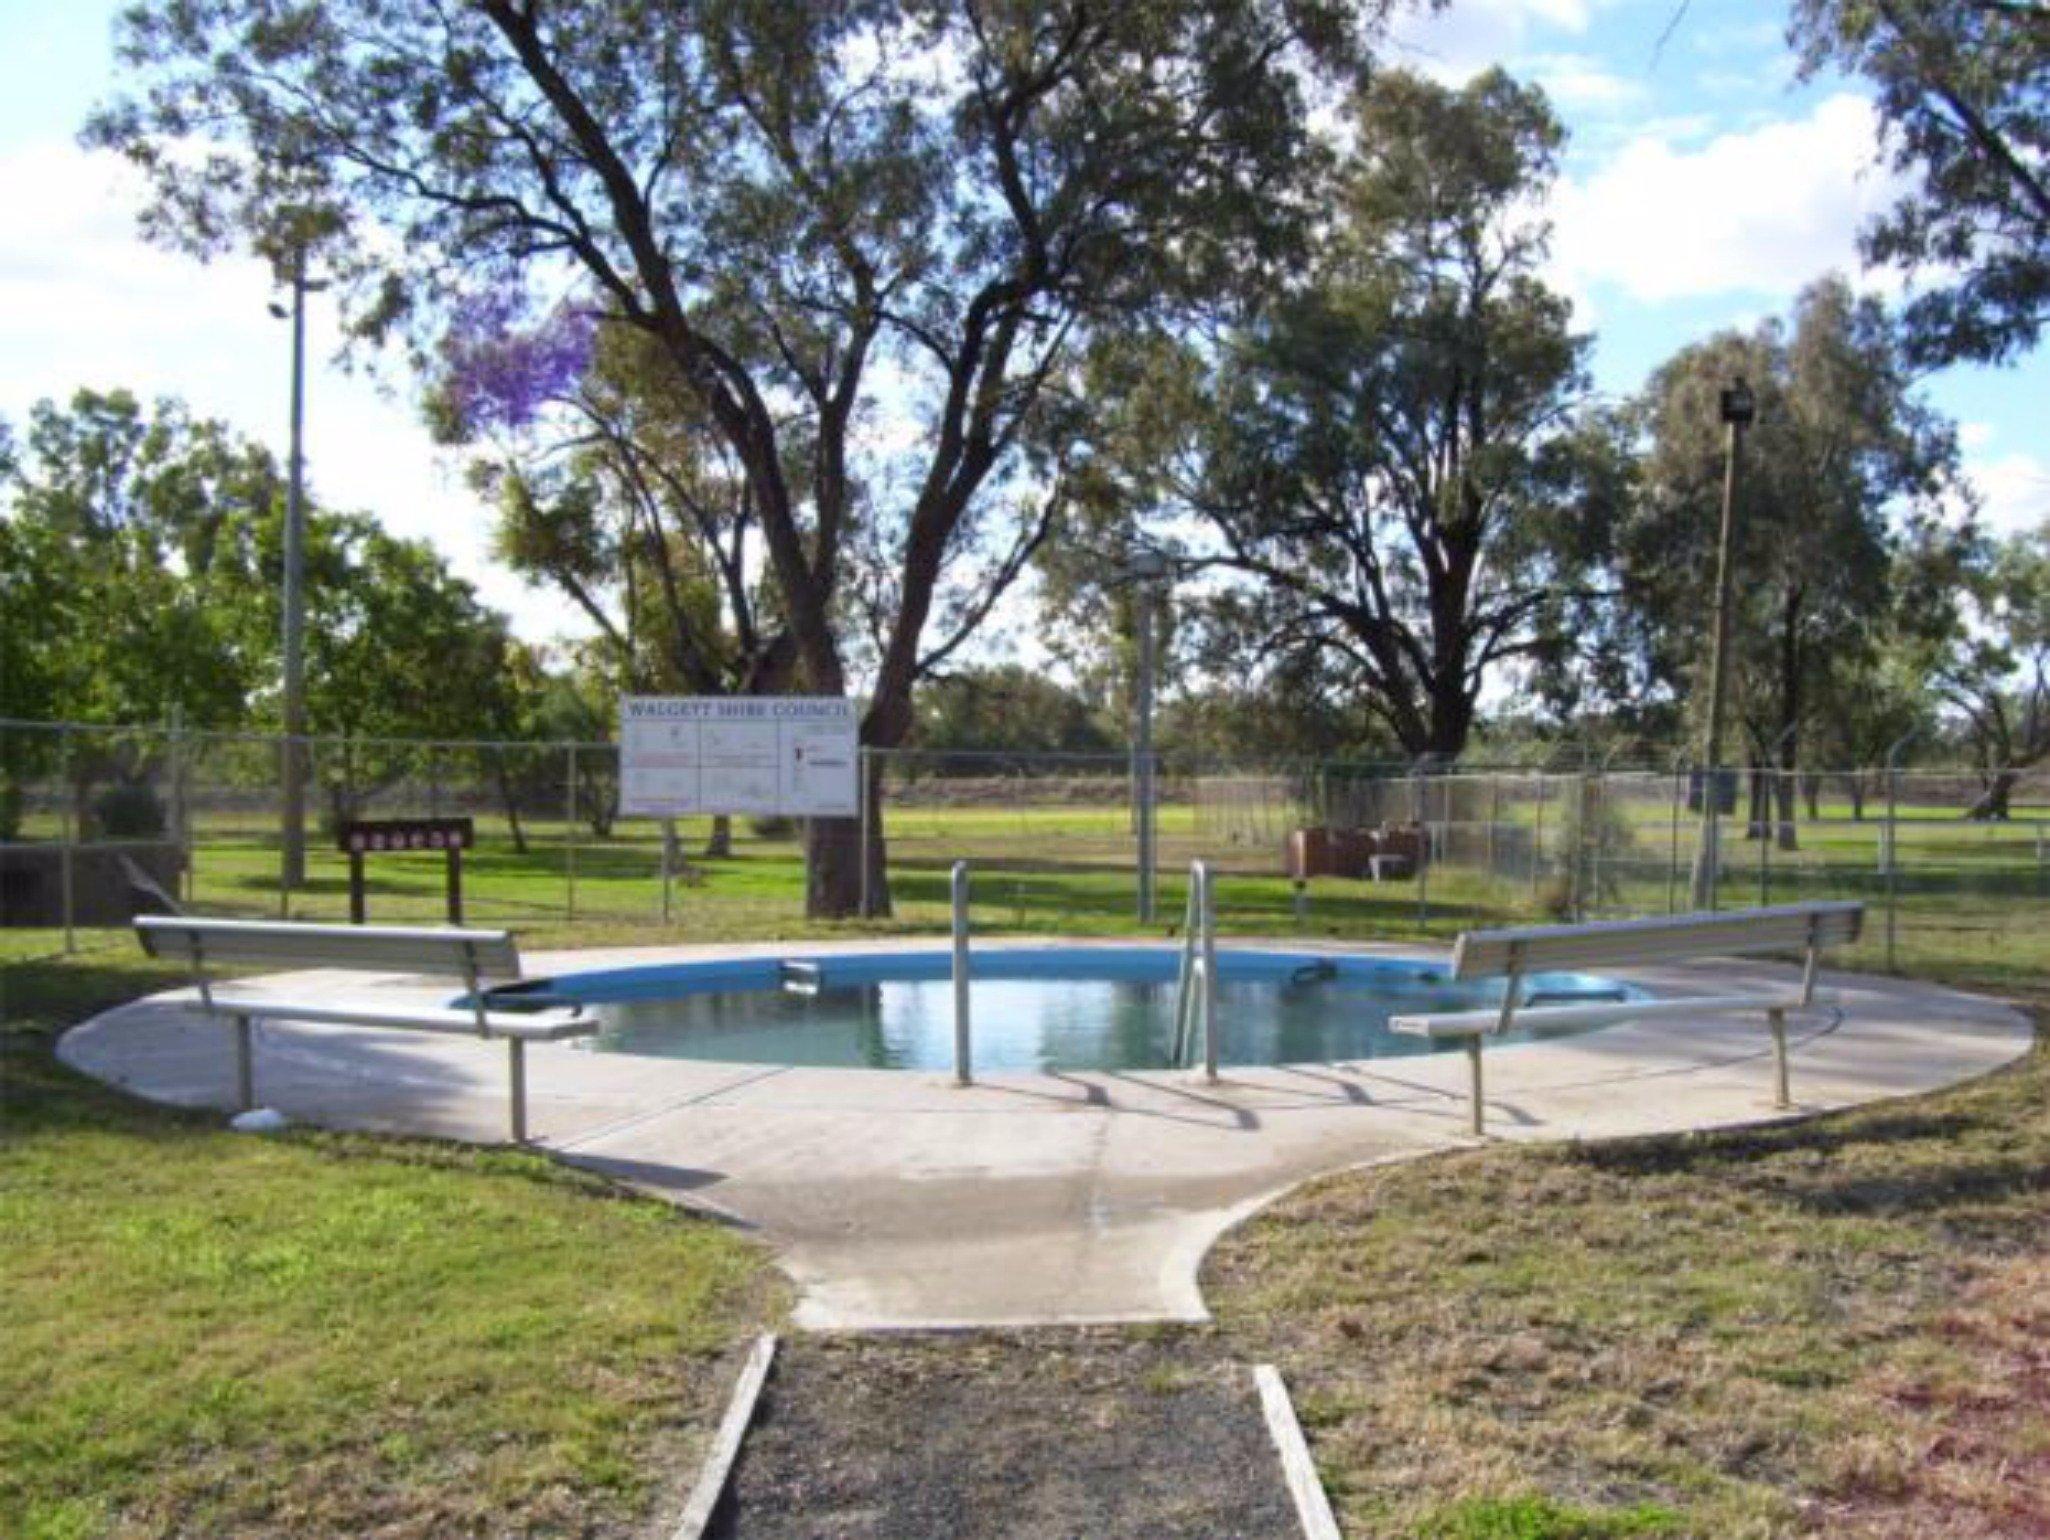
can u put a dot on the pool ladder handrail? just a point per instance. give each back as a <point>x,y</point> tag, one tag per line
<point>1195,996</point>
<point>964,1069</point>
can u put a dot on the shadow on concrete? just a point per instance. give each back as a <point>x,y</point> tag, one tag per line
<point>1351,1090</point>
<point>1247,1120</point>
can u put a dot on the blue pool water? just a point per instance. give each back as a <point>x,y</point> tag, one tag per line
<point>1040,1008</point>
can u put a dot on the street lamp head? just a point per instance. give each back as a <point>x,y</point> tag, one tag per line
<point>1739,405</point>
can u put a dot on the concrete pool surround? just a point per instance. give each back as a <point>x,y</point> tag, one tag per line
<point>897,1198</point>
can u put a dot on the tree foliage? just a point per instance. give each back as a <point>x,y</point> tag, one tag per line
<point>1963,91</point>
<point>1846,459</point>
<point>1384,455</point>
<point>144,548</point>
<point>826,215</point>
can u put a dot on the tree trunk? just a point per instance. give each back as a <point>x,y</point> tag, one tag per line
<point>1855,783</point>
<point>719,843</point>
<point>1992,806</point>
<point>512,805</point>
<point>1789,838</point>
<point>1758,825</point>
<point>832,864</point>
<point>1811,793</point>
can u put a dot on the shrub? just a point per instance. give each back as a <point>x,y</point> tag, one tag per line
<point>131,811</point>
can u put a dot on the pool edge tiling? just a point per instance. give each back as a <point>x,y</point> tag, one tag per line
<point>898,1199</point>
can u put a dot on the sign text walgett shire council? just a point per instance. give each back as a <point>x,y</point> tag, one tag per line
<point>686,754</point>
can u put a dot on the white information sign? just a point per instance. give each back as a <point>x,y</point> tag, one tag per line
<point>788,754</point>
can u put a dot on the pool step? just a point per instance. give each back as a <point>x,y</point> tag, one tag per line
<point>801,978</point>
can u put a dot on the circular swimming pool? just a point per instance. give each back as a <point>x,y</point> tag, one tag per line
<point>1037,1008</point>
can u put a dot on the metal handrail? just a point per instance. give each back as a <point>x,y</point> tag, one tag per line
<point>964,1070</point>
<point>1195,1004</point>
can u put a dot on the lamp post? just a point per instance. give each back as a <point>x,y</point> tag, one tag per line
<point>1144,569</point>
<point>1738,407</point>
<point>292,748</point>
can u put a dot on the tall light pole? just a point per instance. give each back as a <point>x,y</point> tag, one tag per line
<point>1738,407</point>
<point>292,748</point>
<point>1145,569</point>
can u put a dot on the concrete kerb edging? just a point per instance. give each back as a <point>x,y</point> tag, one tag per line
<point>1298,1470</point>
<point>719,1459</point>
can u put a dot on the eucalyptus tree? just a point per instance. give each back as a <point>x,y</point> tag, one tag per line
<point>1994,674</point>
<point>867,236</point>
<point>1845,457</point>
<point>1384,459</point>
<point>614,490</point>
<point>1963,93</point>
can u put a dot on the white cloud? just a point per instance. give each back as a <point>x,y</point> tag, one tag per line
<point>2014,491</point>
<point>1976,435</point>
<point>1464,38</point>
<point>1579,84</point>
<point>85,302</point>
<point>1759,212</point>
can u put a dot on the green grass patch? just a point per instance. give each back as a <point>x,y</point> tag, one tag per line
<point>1539,1518</point>
<point>330,1334</point>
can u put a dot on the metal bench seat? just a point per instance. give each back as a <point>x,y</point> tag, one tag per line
<point>1512,954</point>
<point>439,951</point>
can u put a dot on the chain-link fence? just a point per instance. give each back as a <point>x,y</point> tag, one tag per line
<point>1954,864</point>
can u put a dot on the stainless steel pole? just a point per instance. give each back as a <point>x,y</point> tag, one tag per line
<point>964,1069</point>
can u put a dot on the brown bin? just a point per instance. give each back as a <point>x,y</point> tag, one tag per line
<point>1309,853</point>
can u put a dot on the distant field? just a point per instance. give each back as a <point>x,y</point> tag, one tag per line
<point>1971,896</point>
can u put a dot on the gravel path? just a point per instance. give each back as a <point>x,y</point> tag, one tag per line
<point>1023,1435</point>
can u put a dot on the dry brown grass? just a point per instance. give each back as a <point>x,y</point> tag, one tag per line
<point>1830,1328</point>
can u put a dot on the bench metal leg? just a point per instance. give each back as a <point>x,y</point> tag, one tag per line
<point>245,1063</point>
<point>1473,1064</point>
<point>516,1050</point>
<point>1781,1096</point>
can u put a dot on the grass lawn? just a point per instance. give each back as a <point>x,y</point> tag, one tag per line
<point>208,1333</point>
<point>1830,1329</point>
<point>1835,1328</point>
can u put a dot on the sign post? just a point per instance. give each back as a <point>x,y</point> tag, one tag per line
<point>359,837</point>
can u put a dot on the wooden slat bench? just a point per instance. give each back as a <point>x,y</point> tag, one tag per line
<point>1514,955</point>
<point>474,956</point>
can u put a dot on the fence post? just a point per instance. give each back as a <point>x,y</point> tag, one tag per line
<point>668,859</point>
<point>1768,831</point>
<point>1893,860</point>
<point>288,755</point>
<point>865,784</point>
<point>1537,838</point>
<point>1673,856</point>
<point>181,813</point>
<point>66,877</point>
<point>569,837</point>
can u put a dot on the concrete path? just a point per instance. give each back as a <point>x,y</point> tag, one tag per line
<point>896,1199</point>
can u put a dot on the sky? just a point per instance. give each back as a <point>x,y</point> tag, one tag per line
<point>1703,187</point>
